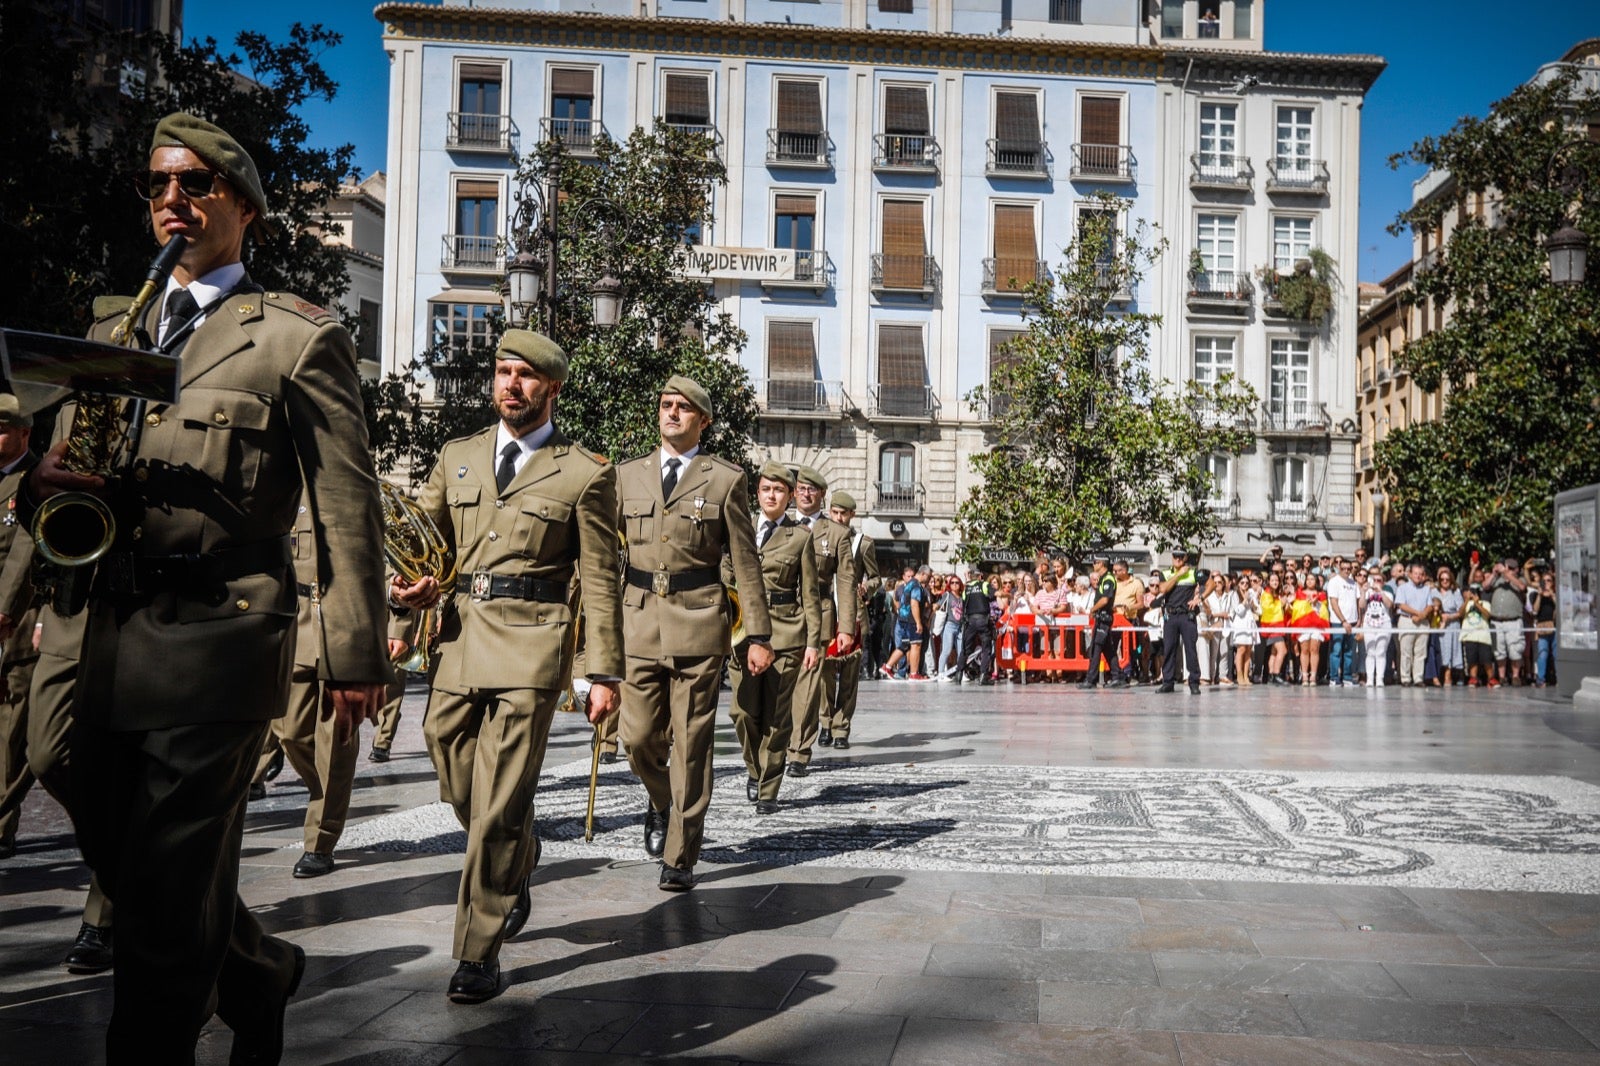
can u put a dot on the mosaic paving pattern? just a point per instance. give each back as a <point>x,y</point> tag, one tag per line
<point>1530,833</point>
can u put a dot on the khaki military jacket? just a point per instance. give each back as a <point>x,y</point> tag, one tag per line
<point>308,617</point>
<point>16,548</point>
<point>865,554</point>
<point>269,416</point>
<point>557,515</point>
<point>836,574</point>
<point>788,566</point>
<point>707,515</point>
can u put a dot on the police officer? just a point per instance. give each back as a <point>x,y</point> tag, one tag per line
<point>762,710</point>
<point>977,626</point>
<point>682,510</point>
<point>841,674</point>
<point>1103,640</point>
<point>836,574</point>
<point>1180,592</point>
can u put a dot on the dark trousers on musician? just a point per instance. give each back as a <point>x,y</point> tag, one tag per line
<point>1179,628</point>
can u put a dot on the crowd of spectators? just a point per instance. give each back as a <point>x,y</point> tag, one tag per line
<point>1331,620</point>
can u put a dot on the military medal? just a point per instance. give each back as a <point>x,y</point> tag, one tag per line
<point>461,471</point>
<point>11,512</point>
<point>698,518</point>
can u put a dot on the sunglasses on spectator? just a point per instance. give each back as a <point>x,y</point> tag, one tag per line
<point>195,182</point>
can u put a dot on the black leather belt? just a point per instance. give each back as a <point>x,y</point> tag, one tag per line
<point>783,599</point>
<point>482,585</point>
<point>662,583</point>
<point>308,592</point>
<point>127,574</point>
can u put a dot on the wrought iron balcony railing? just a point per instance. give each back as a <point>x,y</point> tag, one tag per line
<point>1218,170</point>
<point>904,273</point>
<point>898,497</point>
<point>1295,416</point>
<point>791,148</point>
<point>802,396</point>
<point>1307,177</point>
<point>900,401</point>
<point>577,135</point>
<point>905,153</point>
<point>1225,291</point>
<point>1011,277</point>
<point>468,132</point>
<point>1018,159</point>
<point>470,253</point>
<point>812,270</point>
<point>1102,162</point>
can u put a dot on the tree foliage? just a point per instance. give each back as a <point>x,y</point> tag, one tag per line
<point>1519,355</point>
<point>626,212</point>
<point>83,106</point>
<point>1090,449</point>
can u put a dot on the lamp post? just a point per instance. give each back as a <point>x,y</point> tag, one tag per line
<point>1568,247</point>
<point>536,264</point>
<point>1377,525</point>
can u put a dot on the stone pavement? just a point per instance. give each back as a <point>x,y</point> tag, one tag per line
<point>987,875</point>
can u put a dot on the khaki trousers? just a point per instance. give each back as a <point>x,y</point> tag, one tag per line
<point>15,777</point>
<point>326,767</point>
<point>1413,650</point>
<point>488,746</point>
<point>842,681</point>
<point>762,716</point>
<point>49,754</point>
<point>810,704</point>
<point>669,717</point>
<point>389,717</point>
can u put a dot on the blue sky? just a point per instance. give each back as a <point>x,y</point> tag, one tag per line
<point>1445,60</point>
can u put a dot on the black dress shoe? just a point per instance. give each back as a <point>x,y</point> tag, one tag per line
<point>798,769</point>
<point>538,851</point>
<point>825,738</point>
<point>1118,683</point>
<point>752,789</point>
<point>655,832</point>
<point>674,879</point>
<point>314,864</point>
<point>91,952</point>
<point>1164,689</point>
<point>767,807</point>
<point>274,766</point>
<point>258,1039</point>
<point>258,791</point>
<point>608,757</point>
<point>841,743</point>
<point>378,754</point>
<point>8,849</point>
<point>1194,690</point>
<point>1088,684</point>
<point>475,982</point>
<point>517,916</point>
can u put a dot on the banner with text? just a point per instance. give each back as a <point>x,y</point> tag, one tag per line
<point>741,264</point>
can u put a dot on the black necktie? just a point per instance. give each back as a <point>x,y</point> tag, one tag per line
<point>508,465</point>
<point>805,520</point>
<point>670,480</point>
<point>767,526</point>
<point>180,311</point>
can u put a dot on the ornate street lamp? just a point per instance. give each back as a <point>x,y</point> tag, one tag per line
<point>536,266</point>
<point>1568,249</point>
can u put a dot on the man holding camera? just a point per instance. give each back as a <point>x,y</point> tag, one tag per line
<point>1507,589</point>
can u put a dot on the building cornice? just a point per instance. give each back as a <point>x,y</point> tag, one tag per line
<point>589,31</point>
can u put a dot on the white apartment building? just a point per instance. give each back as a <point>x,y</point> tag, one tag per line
<point>914,164</point>
<point>356,214</point>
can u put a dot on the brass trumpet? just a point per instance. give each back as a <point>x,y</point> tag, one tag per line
<point>415,548</point>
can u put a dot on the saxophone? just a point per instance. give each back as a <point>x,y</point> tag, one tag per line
<point>415,548</point>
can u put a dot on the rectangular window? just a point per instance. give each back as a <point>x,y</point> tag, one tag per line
<point>367,331</point>
<point>800,129</point>
<point>572,107</point>
<point>1289,387</point>
<point>794,221</point>
<point>905,246</point>
<point>902,371</point>
<point>1243,26</point>
<point>1070,11</point>
<point>895,7</point>
<point>1219,136</point>
<point>1016,131</point>
<point>1294,152</point>
<point>1001,355</point>
<point>905,110</point>
<point>479,93</point>
<point>1217,239</point>
<point>1220,467</point>
<point>687,102</point>
<point>1099,148</point>
<point>792,367</point>
<point>1097,234</point>
<point>1213,358</point>
<point>1291,241</point>
<point>1172,18</point>
<point>1016,249</point>
<point>1289,483</point>
<point>477,208</point>
<point>460,325</point>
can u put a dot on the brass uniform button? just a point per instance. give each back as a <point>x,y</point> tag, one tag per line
<point>493,535</point>
<point>665,538</point>
<point>220,418</point>
<point>138,532</point>
<point>142,474</point>
<point>499,505</point>
<point>152,419</point>
<point>243,605</point>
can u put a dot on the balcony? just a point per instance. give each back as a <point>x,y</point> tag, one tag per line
<point>905,153</point>
<point>901,401</point>
<point>1297,177</point>
<point>577,135</point>
<point>1113,283</point>
<point>1383,373</point>
<point>1102,162</point>
<point>1366,457</point>
<point>1224,510</point>
<point>1018,159</point>
<point>802,397</point>
<point>469,254</point>
<point>1011,277</point>
<point>1218,292</point>
<point>897,498</point>
<point>790,148</point>
<point>1366,380</point>
<point>1294,416</point>
<point>699,129</point>
<point>1213,416</point>
<point>812,270</point>
<point>1291,511</point>
<point>468,132</point>
<point>1224,173</point>
<point>914,274</point>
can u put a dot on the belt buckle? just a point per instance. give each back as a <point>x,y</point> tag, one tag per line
<point>481,580</point>
<point>124,575</point>
<point>660,582</point>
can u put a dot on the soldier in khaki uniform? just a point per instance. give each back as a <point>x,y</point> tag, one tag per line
<point>841,674</point>
<point>17,616</point>
<point>836,576</point>
<point>681,511</point>
<point>188,632</point>
<point>522,506</point>
<point>403,637</point>
<point>762,713</point>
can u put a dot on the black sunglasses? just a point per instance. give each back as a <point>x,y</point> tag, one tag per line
<point>195,182</point>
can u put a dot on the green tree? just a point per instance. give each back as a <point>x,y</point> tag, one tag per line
<point>82,107</point>
<point>1519,355</point>
<point>1089,448</point>
<point>626,212</point>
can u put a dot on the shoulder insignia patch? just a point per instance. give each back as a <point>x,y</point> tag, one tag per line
<point>107,306</point>
<point>310,310</point>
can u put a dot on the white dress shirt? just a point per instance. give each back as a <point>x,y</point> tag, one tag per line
<point>205,291</point>
<point>527,444</point>
<point>683,460</point>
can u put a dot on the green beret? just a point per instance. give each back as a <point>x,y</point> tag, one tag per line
<point>778,472</point>
<point>810,476</point>
<point>691,391</point>
<point>212,144</point>
<point>11,413</point>
<point>535,349</point>
<point>844,501</point>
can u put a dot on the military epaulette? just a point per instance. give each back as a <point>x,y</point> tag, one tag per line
<point>725,464</point>
<point>287,301</point>
<point>486,431</point>
<point>587,454</point>
<point>111,306</point>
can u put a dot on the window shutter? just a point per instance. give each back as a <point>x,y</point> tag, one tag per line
<point>1015,252</point>
<point>900,360</point>
<point>1100,120</point>
<point>904,247</point>
<point>1016,120</point>
<point>800,106</point>
<point>895,7</point>
<point>791,350</point>
<point>688,100</point>
<point>1001,356</point>
<point>468,189</point>
<point>480,72</point>
<point>565,81</point>
<point>905,110</point>
<point>795,205</point>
